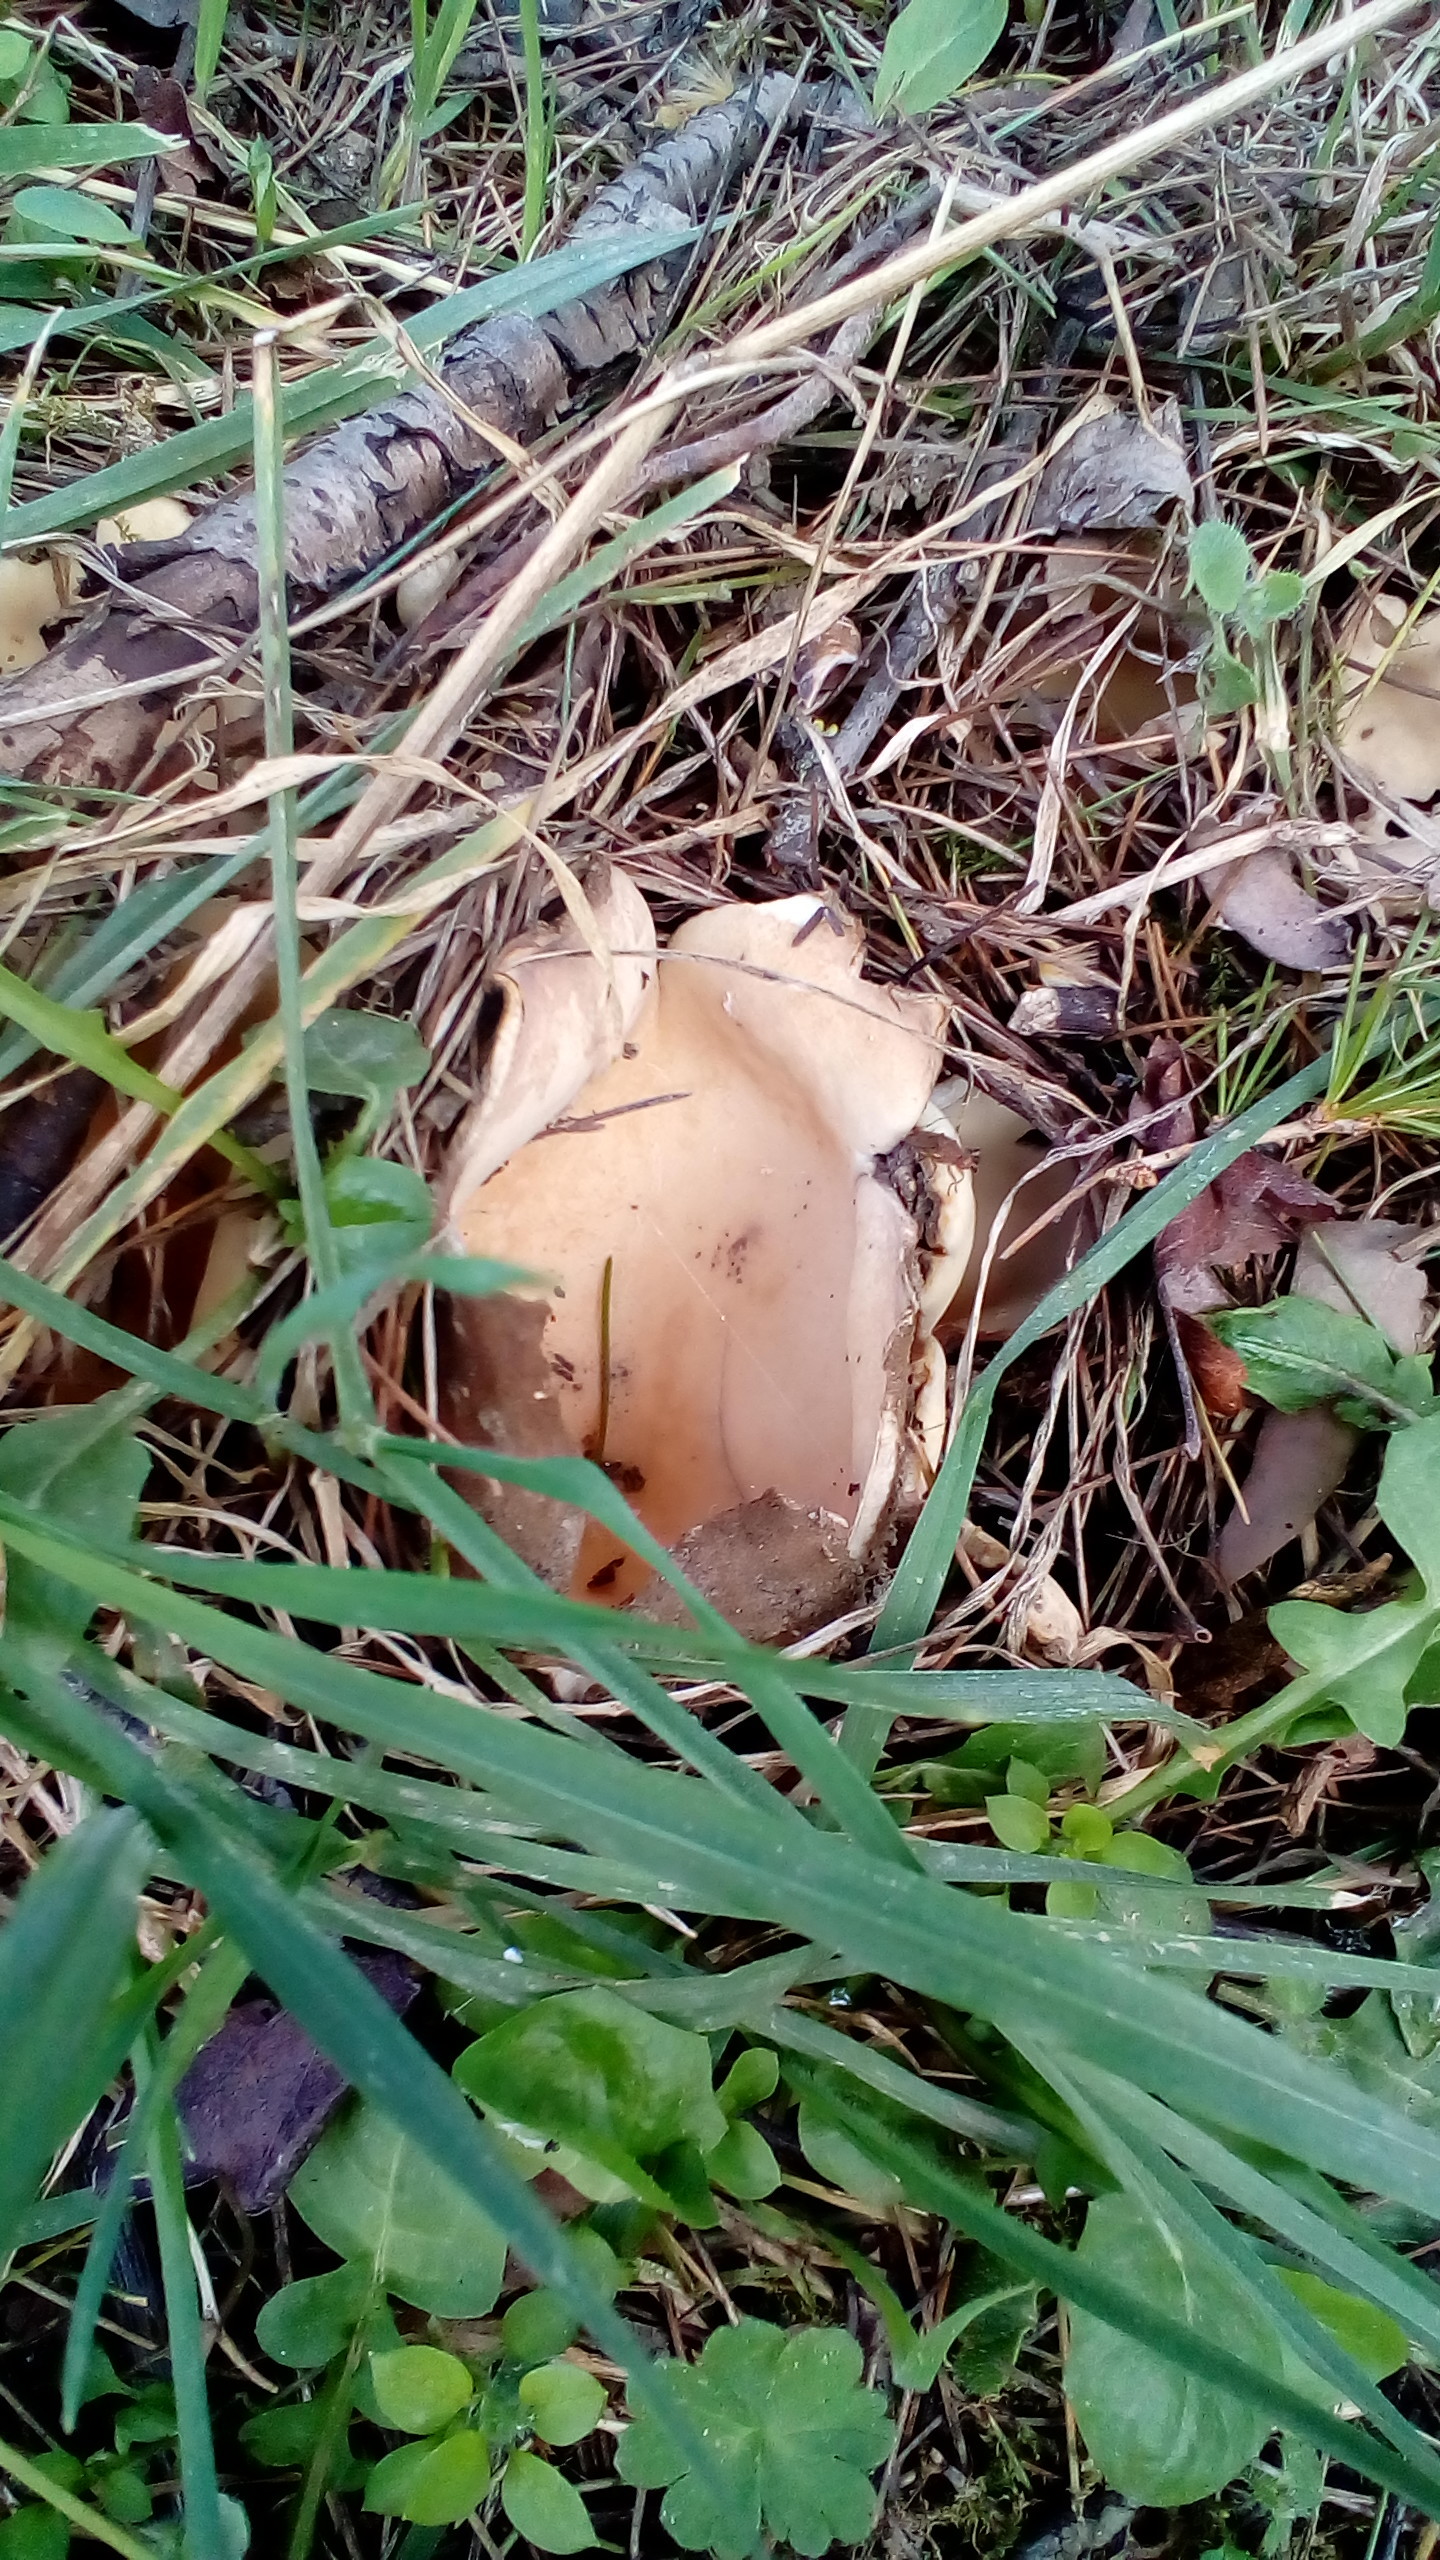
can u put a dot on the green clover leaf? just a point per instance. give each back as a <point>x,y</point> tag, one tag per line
<point>791,2432</point>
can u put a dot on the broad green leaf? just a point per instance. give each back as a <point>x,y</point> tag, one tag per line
<point>1065,1752</point>
<point>1221,565</point>
<point>318,1316</point>
<point>369,1055</point>
<point>537,2326</point>
<point>285,2439</point>
<point>833,2156</point>
<point>1018,1822</point>
<point>75,1466</point>
<point>431,2483</point>
<point>1229,684</point>
<point>1261,2385</point>
<point>742,2163</point>
<point>373,2195</point>
<point>1087,1831</point>
<point>35,2533</point>
<point>335,2002</point>
<point>561,2401</point>
<point>1311,2359</point>
<point>420,2389</point>
<point>380,1212</point>
<point>588,2069</point>
<point>66,214</point>
<point>65,1951</point>
<point>1367,1656</point>
<point>931,50</point>
<point>543,2506</point>
<point>307,2323</point>
<point>77,146</point>
<point>1370,2049</point>
<point>1161,2437</point>
<point>999,2314</point>
<point>1409,1496</point>
<point>791,2429</point>
<point>750,2080</point>
<point>1273,598</point>
<point>1377,2342</point>
<point>1298,1352</point>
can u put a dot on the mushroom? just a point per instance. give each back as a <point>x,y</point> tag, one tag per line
<point>1389,729</point>
<point>733,1309</point>
<point>31,595</point>
<point>34,593</point>
<point>1018,1180</point>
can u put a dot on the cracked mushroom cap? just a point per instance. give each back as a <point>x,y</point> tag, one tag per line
<point>685,1146</point>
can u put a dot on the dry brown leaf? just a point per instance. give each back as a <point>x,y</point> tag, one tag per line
<point>1257,1205</point>
<point>1300,1460</point>
<point>1118,470</point>
<point>1264,903</point>
<point>1218,1373</point>
<point>732,1313</point>
<point>1362,1267</point>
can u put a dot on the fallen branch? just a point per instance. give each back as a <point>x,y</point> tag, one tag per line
<point>91,711</point>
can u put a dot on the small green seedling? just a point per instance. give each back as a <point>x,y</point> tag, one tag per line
<point>1241,670</point>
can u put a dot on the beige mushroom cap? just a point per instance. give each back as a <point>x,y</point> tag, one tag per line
<point>728,1307</point>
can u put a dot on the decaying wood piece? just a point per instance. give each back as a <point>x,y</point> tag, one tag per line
<point>92,710</point>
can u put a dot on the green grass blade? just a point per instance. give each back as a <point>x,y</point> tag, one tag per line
<point>526,1613</point>
<point>209,38</point>
<point>1246,1959</point>
<point>204,2528</point>
<point>84,1040</point>
<point>537,128</point>
<point>706,1851</point>
<point>1380,2274</point>
<point>1176,2204</point>
<point>128,933</point>
<point>352,1390</point>
<point>221,1974</point>
<point>609,560</point>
